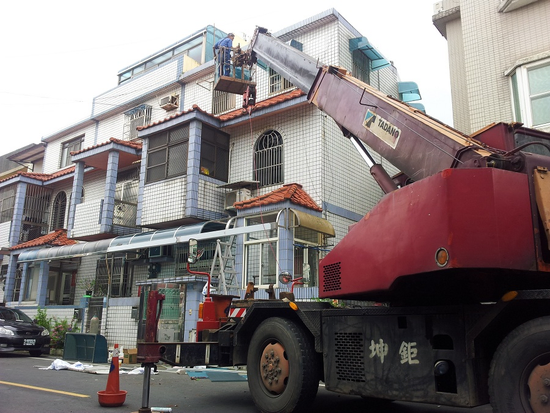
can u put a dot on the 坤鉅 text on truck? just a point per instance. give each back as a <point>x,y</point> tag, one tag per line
<point>457,250</point>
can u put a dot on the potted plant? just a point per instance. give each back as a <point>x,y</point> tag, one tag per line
<point>88,286</point>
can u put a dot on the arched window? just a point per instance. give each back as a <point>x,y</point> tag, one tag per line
<point>58,213</point>
<point>268,158</point>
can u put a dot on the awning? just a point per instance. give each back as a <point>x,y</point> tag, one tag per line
<point>161,237</point>
<point>314,223</point>
<point>377,59</point>
<point>418,106</point>
<point>408,91</point>
<point>67,251</point>
<point>200,231</point>
<point>122,243</point>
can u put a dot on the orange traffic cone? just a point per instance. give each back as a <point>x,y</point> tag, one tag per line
<point>112,396</point>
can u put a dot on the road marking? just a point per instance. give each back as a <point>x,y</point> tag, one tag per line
<point>44,389</point>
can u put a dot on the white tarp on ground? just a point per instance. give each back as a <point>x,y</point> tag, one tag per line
<point>59,364</point>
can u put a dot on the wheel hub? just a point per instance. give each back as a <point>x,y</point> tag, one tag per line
<point>274,368</point>
<point>539,386</point>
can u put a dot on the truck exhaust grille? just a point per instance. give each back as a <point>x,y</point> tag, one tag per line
<point>332,277</point>
<point>349,357</point>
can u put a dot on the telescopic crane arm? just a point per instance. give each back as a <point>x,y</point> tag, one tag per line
<point>415,143</point>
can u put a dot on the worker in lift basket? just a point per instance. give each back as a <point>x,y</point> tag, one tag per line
<point>222,50</point>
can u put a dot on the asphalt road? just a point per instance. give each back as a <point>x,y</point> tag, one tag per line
<point>25,387</point>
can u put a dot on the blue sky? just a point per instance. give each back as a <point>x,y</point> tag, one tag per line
<point>57,55</point>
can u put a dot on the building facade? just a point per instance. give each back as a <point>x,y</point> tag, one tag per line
<point>165,158</point>
<point>499,61</point>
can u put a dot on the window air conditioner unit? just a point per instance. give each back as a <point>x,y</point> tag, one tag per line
<point>133,256</point>
<point>169,102</point>
<point>160,251</point>
<point>238,195</point>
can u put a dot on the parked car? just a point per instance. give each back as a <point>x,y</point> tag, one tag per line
<point>19,332</point>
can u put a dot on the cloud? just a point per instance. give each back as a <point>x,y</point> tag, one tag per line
<point>58,56</point>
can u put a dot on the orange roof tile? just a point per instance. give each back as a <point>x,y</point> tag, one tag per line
<point>236,113</point>
<point>130,144</point>
<point>174,116</point>
<point>290,192</point>
<point>296,93</point>
<point>57,238</point>
<point>41,176</point>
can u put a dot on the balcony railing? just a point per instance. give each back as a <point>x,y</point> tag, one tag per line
<point>125,214</point>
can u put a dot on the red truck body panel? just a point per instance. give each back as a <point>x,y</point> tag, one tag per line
<point>482,217</point>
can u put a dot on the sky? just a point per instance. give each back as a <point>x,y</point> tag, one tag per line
<point>57,55</point>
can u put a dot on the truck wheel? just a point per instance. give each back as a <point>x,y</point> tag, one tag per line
<point>282,366</point>
<point>519,378</point>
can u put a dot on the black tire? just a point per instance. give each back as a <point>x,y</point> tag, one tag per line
<point>297,387</point>
<point>35,353</point>
<point>518,369</point>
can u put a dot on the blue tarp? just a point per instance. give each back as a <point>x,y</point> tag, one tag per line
<point>215,374</point>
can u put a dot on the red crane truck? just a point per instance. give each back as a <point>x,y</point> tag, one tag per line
<point>457,250</point>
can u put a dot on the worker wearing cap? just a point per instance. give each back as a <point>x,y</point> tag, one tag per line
<point>223,48</point>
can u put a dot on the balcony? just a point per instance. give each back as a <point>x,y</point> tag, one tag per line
<point>87,224</point>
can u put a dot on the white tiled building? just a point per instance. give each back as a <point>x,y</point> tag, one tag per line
<point>120,194</point>
<point>499,60</point>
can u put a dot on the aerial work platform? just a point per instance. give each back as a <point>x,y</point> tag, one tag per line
<point>232,76</point>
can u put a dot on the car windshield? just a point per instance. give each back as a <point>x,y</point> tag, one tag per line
<point>11,314</point>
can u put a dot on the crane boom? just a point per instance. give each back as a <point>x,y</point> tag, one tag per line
<point>415,143</point>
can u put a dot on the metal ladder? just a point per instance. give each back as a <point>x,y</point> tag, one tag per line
<point>223,263</point>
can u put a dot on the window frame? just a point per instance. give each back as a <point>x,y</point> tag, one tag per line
<point>521,97</point>
<point>117,272</point>
<point>166,147</point>
<point>186,48</point>
<point>223,102</point>
<point>277,83</point>
<point>311,279</point>
<point>7,203</point>
<point>269,173</point>
<point>71,145</point>
<point>220,143</point>
<point>36,213</point>
<point>361,66</point>
<point>59,210</point>
<point>250,241</point>
<point>310,241</point>
<point>138,116</point>
<point>126,198</point>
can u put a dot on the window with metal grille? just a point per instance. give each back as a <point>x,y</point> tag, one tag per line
<point>115,271</point>
<point>7,201</point>
<point>361,66</point>
<point>138,116</point>
<point>223,101</point>
<point>268,158</point>
<point>58,212</point>
<point>261,262</point>
<point>167,154</point>
<point>73,145</point>
<point>126,197</point>
<point>277,83</point>
<point>181,253</point>
<point>214,153</point>
<point>36,212</point>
